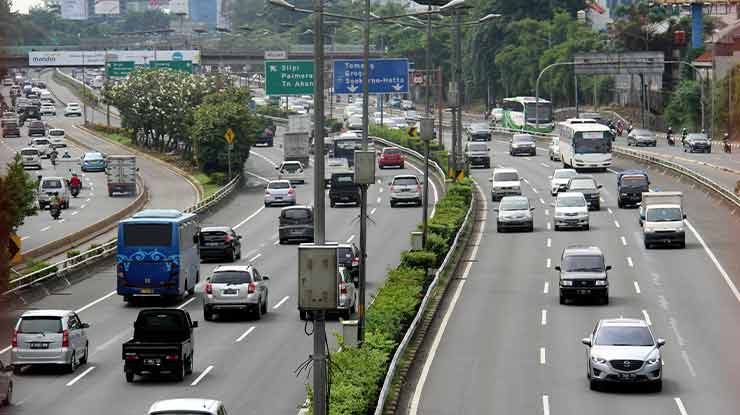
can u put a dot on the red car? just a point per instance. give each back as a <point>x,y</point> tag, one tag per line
<point>390,156</point>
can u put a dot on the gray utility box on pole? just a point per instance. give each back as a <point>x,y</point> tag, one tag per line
<point>427,129</point>
<point>364,167</point>
<point>318,280</point>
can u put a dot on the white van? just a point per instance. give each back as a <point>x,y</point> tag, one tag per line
<point>57,137</point>
<point>31,157</point>
<point>46,96</point>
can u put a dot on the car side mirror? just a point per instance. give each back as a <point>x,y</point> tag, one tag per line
<point>557,268</point>
<point>660,342</point>
<point>531,209</point>
<point>586,341</point>
<point>549,177</point>
<point>608,267</point>
<point>195,238</point>
<point>495,209</point>
<point>490,179</point>
<point>599,186</point>
<point>194,324</point>
<point>239,237</point>
<point>85,326</point>
<point>266,278</point>
<point>684,216</point>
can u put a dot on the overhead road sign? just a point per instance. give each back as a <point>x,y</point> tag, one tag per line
<point>183,66</point>
<point>386,76</point>
<point>275,54</point>
<point>119,69</point>
<point>100,57</point>
<point>289,77</point>
<point>632,63</point>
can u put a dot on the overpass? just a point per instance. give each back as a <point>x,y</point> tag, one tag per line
<point>251,60</point>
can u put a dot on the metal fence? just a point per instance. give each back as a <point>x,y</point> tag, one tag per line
<point>89,257</point>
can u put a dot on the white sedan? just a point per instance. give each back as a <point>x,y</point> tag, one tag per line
<point>73,108</point>
<point>48,109</point>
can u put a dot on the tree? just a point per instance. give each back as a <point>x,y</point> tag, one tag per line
<point>18,201</point>
<point>684,106</point>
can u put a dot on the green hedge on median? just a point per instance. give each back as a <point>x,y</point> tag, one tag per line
<point>357,374</point>
<point>437,153</point>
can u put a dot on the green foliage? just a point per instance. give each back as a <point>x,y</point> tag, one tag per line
<point>418,259</point>
<point>18,195</point>
<point>684,108</point>
<point>274,111</point>
<point>72,253</point>
<point>34,266</point>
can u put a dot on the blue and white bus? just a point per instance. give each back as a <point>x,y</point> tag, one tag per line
<point>585,144</point>
<point>520,113</point>
<point>157,254</point>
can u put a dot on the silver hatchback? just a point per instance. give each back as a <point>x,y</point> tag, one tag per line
<point>279,191</point>
<point>235,288</point>
<point>405,188</point>
<point>43,337</point>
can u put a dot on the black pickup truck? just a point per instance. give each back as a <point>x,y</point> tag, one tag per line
<point>162,344</point>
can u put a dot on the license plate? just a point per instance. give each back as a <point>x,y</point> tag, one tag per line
<point>146,291</point>
<point>584,292</point>
<point>295,231</point>
<point>151,362</point>
<point>230,291</point>
<point>627,376</point>
<point>37,345</point>
<point>212,243</point>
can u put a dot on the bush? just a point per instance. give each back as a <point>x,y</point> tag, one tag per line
<point>219,178</point>
<point>72,253</point>
<point>418,259</point>
<point>438,245</point>
<point>34,266</point>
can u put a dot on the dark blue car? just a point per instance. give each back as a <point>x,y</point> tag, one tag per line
<point>93,162</point>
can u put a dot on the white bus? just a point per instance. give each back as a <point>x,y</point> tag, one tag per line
<point>585,145</point>
<point>520,113</point>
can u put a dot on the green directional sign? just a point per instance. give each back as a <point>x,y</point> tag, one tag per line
<point>119,69</point>
<point>184,66</point>
<point>286,77</point>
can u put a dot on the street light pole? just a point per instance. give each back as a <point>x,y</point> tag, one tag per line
<point>363,187</point>
<point>460,88</point>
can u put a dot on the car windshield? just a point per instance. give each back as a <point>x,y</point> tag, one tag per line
<point>583,263</point>
<point>564,174</point>
<point>93,156</point>
<point>505,177</point>
<point>278,185</point>
<point>523,139</point>
<point>231,277</point>
<point>643,133</point>
<point>56,133</point>
<point>514,204</point>
<point>582,184</point>
<point>669,214</point>
<point>637,181</point>
<point>52,184</point>
<point>291,167</point>
<point>624,336</point>
<point>479,127</point>
<point>697,137</point>
<point>478,147</point>
<point>30,152</point>
<point>41,142</point>
<point>571,201</point>
<point>405,181</point>
<point>296,214</point>
<point>40,324</point>
<point>342,179</point>
<point>391,151</point>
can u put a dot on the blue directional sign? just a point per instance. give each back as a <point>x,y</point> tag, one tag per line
<point>387,76</point>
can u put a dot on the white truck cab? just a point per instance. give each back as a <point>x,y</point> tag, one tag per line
<point>662,219</point>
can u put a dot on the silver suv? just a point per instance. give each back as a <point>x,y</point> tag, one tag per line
<point>43,337</point>
<point>237,288</point>
<point>623,350</point>
<point>405,188</point>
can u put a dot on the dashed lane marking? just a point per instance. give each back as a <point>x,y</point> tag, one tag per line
<point>281,302</point>
<point>616,223</point>
<point>637,287</point>
<point>81,375</point>
<point>647,317</point>
<point>254,258</point>
<point>257,212</point>
<point>629,262</point>
<point>681,408</point>
<point>548,263</point>
<point>202,375</point>
<point>543,357</point>
<point>183,305</point>
<point>549,242</point>
<point>624,240</point>
<point>545,405</point>
<point>546,289</point>
<point>45,229</point>
<point>351,238</point>
<point>245,334</point>
<point>544,317</point>
<point>372,212</point>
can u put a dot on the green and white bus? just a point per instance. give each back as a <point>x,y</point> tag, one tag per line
<point>520,114</point>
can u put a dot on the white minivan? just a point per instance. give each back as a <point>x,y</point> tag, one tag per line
<point>57,137</point>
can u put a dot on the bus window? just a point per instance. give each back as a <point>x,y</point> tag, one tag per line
<point>147,234</point>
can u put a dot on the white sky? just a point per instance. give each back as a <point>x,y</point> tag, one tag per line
<point>23,5</point>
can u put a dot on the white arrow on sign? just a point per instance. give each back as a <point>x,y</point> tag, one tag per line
<point>397,87</point>
<point>352,88</point>
<point>273,68</point>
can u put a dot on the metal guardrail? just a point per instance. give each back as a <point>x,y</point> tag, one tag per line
<point>401,349</point>
<point>433,164</point>
<point>105,250</point>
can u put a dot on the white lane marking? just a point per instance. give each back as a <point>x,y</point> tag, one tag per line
<point>549,242</point>
<point>350,238</point>
<point>277,242</point>
<point>103,298</point>
<point>416,398</point>
<point>87,200</point>
<point>62,220</point>
<point>23,238</point>
<point>263,158</point>
<point>245,334</point>
<point>281,302</point>
<point>548,226</point>
<point>547,212</point>
<point>542,201</point>
<point>372,212</point>
<point>637,287</point>
<point>5,350</point>
<point>545,165</point>
<point>258,176</point>
<point>544,317</point>
<point>380,190</point>
<point>535,190</point>
<point>647,317</point>
<point>254,258</point>
<point>83,206</point>
<point>379,199</point>
<point>610,210</point>
<point>547,288</point>
<point>616,223</point>
<point>183,305</point>
<point>624,240</point>
<point>74,213</point>
<point>543,359</point>
<point>686,360</point>
<point>92,194</point>
<point>545,405</point>
<point>257,212</point>
<point>681,408</point>
<point>45,229</point>
<point>629,262</point>
<point>81,375</point>
<point>380,181</point>
<point>719,267</point>
<point>548,263</point>
<point>202,375</point>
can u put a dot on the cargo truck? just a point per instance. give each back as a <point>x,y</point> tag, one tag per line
<point>121,174</point>
<point>662,219</point>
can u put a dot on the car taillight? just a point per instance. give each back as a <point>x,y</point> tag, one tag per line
<point>14,339</point>
<point>131,356</point>
<point>228,238</point>
<point>355,261</point>
<point>174,271</point>
<point>209,288</point>
<point>418,188</point>
<point>119,270</point>
<point>393,189</point>
<point>65,338</point>
<point>343,288</point>
<point>291,191</point>
<point>171,357</point>
<point>267,193</point>
<point>252,288</point>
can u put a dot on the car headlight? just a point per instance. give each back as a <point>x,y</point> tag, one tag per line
<point>623,194</point>
<point>601,283</point>
<point>599,360</point>
<point>515,145</point>
<point>566,283</point>
<point>654,358</point>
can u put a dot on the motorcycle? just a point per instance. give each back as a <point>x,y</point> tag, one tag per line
<point>55,211</point>
<point>727,147</point>
<point>671,141</point>
<point>75,190</point>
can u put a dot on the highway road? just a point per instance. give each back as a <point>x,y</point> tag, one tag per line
<point>248,364</point>
<point>507,346</point>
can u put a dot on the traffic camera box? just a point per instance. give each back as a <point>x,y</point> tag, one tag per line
<point>318,279</point>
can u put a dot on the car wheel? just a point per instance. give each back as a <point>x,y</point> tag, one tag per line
<point>402,165</point>
<point>71,365</point>
<point>282,241</point>
<point>658,385</point>
<point>531,227</point>
<point>648,245</point>
<point>130,376</point>
<point>593,384</point>
<point>682,244</point>
<point>556,227</point>
<point>189,366</point>
<point>619,203</point>
<point>562,299</point>
<point>264,306</point>
<point>393,204</point>
<point>180,375</point>
<point>207,314</point>
<point>232,255</point>
<point>587,227</point>
<point>83,359</point>
<point>258,312</point>
<point>499,229</point>
<point>267,204</point>
<point>709,151</point>
<point>332,203</point>
<point>8,395</point>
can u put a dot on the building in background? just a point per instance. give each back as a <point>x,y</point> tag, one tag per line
<point>74,9</point>
<point>223,19</point>
<point>204,11</point>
